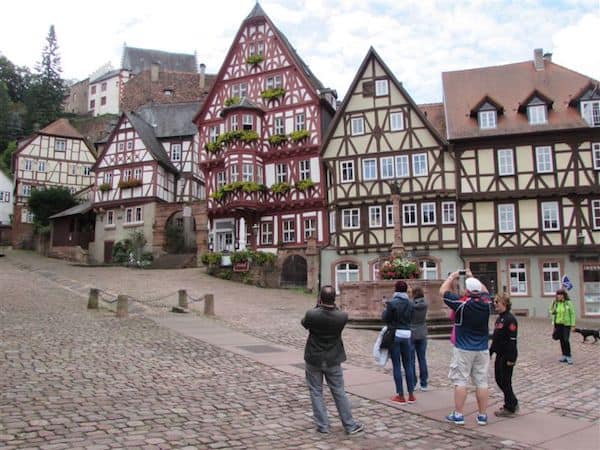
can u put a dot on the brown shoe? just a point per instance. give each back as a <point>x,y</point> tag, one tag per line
<point>503,412</point>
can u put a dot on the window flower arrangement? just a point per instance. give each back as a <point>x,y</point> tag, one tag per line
<point>104,187</point>
<point>254,59</point>
<point>232,101</point>
<point>280,188</point>
<point>297,136</point>
<point>277,139</point>
<point>303,185</point>
<point>131,183</point>
<point>273,93</point>
<point>395,268</point>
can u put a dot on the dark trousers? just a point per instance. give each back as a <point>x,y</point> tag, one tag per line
<point>564,332</point>
<point>503,374</point>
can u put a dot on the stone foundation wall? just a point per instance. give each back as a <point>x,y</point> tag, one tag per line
<point>71,253</point>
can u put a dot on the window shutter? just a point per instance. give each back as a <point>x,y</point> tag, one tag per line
<point>368,88</point>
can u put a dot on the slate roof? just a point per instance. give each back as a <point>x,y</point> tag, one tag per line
<point>139,59</point>
<point>82,208</point>
<point>61,128</point>
<point>511,85</point>
<point>146,133</point>
<point>106,76</point>
<point>171,120</point>
<point>244,103</point>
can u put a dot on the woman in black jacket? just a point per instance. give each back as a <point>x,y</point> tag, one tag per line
<point>504,344</point>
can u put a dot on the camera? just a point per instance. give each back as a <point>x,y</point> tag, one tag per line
<point>462,272</point>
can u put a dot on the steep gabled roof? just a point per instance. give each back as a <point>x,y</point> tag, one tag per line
<point>138,59</point>
<point>61,128</point>
<point>244,104</point>
<point>486,100</point>
<point>106,76</point>
<point>372,54</point>
<point>146,133</point>
<point>170,120</point>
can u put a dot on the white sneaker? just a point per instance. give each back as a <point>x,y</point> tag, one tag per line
<point>423,388</point>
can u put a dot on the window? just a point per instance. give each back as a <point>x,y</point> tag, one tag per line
<point>506,218</point>
<point>350,218</point>
<point>279,126</point>
<point>93,89</point>
<point>137,173</point>
<point>551,276</point>
<point>345,272</point>
<point>591,289</point>
<point>102,101</point>
<point>389,215</point>
<point>233,123</point>
<point>266,233</point>
<point>300,122</point>
<point>396,121</point>
<point>375,219</point>
<point>369,169</point>
<point>448,212</point>
<point>505,162</point>
<point>110,218</point>
<point>60,145</point>
<point>550,216</point>
<point>409,214</point>
<point>305,169</point>
<point>176,152</point>
<point>28,164</point>
<point>590,111</point>
<point>138,214</point>
<point>233,173</point>
<point>214,134</point>
<point>27,216</point>
<point>596,155</point>
<point>289,232</point>
<point>133,215</point>
<point>274,82</point>
<point>429,269</point>
<point>126,174</point>
<point>260,47</point>
<point>6,197</point>
<point>259,174</point>
<point>596,214</point>
<point>239,90</point>
<point>387,167</point>
<point>87,170</point>
<point>129,145</point>
<point>537,114</point>
<point>420,165</point>
<point>487,119</point>
<point>92,104</point>
<point>103,87</point>
<point>26,190</point>
<point>517,273</point>
<point>73,169</point>
<point>402,170</point>
<point>220,179</point>
<point>108,177</point>
<point>543,159</point>
<point>121,146</point>
<point>357,126</point>
<point>41,166</point>
<point>428,213</point>
<point>310,227</point>
<point>247,123</point>
<point>281,173</point>
<point>381,87</point>
<point>347,170</point>
<point>247,172</point>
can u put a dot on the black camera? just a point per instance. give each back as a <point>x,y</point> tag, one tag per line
<point>462,272</point>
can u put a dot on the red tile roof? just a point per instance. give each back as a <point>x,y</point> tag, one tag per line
<point>62,128</point>
<point>435,113</point>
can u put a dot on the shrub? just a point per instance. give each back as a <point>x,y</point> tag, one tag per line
<point>211,258</point>
<point>241,256</point>
<point>225,274</point>
<point>265,259</point>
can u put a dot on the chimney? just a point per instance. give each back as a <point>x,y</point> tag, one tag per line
<point>202,80</point>
<point>154,69</point>
<point>548,57</point>
<point>538,59</point>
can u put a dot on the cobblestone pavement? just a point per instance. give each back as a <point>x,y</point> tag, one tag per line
<point>71,378</point>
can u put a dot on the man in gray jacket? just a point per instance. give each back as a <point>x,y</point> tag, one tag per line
<point>323,355</point>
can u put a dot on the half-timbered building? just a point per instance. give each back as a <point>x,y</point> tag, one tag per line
<point>260,131</point>
<point>382,146</point>
<point>146,175</point>
<point>526,138</point>
<point>57,155</point>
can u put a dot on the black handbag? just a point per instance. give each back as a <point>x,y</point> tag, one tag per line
<point>388,338</point>
<point>556,333</point>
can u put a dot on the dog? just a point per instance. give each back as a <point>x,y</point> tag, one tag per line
<point>587,332</point>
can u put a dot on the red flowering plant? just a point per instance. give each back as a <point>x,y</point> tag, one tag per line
<point>396,268</point>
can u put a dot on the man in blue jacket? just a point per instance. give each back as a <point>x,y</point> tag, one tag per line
<point>470,357</point>
<point>323,355</point>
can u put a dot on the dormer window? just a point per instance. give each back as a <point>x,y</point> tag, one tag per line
<point>590,111</point>
<point>487,119</point>
<point>537,114</point>
<point>487,112</point>
<point>536,106</point>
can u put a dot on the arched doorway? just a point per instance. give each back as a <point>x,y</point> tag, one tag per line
<point>294,271</point>
<point>180,237</point>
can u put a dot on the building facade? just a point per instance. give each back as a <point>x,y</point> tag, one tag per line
<point>105,92</point>
<point>260,131</point>
<point>6,198</point>
<point>526,139</point>
<point>57,155</point>
<point>391,182</point>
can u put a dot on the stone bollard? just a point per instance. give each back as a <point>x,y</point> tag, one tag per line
<point>183,301</point>
<point>209,305</point>
<point>122,310</point>
<point>93,299</point>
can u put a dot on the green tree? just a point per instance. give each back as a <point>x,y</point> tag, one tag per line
<point>16,78</point>
<point>45,202</point>
<point>5,106</point>
<point>6,156</point>
<point>46,93</point>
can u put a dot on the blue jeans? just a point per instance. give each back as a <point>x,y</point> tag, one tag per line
<point>420,351</point>
<point>335,380</point>
<point>402,350</point>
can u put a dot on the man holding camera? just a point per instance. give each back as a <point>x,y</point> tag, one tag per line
<point>470,358</point>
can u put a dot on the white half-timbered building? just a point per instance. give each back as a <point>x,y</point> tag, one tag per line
<point>380,142</point>
<point>149,162</point>
<point>526,138</point>
<point>57,155</point>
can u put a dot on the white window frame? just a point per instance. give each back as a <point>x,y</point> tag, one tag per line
<point>429,269</point>
<point>60,145</point>
<point>344,272</point>
<point>233,173</point>
<point>213,134</point>
<point>273,82</point>
<point>386,167</point>
<point>381,87</point>
<point>304,169</point>
<point>596,155</point>
<point>552,270</point>
<point>110,218</point>
<point>595,206</point>
<point>310,227</point>
<point>428,213</point>
<point>389,215</point>
<point>247,122</point>
<point>369,169</point>
<point>300,122</point>
<point>176,152</point>
<point>448,212</point>
<point>87,171</point>
<point>28,165</point>
<point>26,190</point>
<point>221,179</point>
<point>409,215</point>
<point>134,215</point>
<point>350,219</point>
<point>487,119</point>
<point>233,123</point>
<point>543,159</point>
<point>396,121</point>
<point>288,227</point>
<point>347,171</point>
<point>375,218</point>
<point>402,166</point>
<point>126,174</point>
<point>517,278</point>
<point>506,218</point>
<point>247,172</point>
<point>266,233</point>
<point>420,165</point>
<point>506,162</point>
<point>537,114</point>
<point>279,125</point>
<point>357,126</point>
<point>590,111</point>
<point>281,173</point>
<point>138,174</point>
<point>41,165</point>
<point>550,216</point>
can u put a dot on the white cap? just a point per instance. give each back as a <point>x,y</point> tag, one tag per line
<point>473,285</point>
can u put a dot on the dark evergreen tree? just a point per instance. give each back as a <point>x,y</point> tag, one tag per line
<point>16,78</point>
<point>45,202</point>
<point>5,107</point>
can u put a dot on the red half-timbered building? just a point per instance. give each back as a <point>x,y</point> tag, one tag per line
<point>260,130</point>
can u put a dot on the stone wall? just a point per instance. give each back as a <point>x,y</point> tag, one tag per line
<point>70,253</point>
<point>165,210</point>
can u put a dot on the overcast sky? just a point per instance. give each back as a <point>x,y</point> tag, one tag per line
<point>418,39</point>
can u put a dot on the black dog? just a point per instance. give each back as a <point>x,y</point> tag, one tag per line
<point>585,333</point>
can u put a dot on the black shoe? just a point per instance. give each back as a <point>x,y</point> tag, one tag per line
<point>322,430</point>
<point>358,428</point>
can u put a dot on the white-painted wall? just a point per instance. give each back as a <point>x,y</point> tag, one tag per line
<point>6,198</point>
